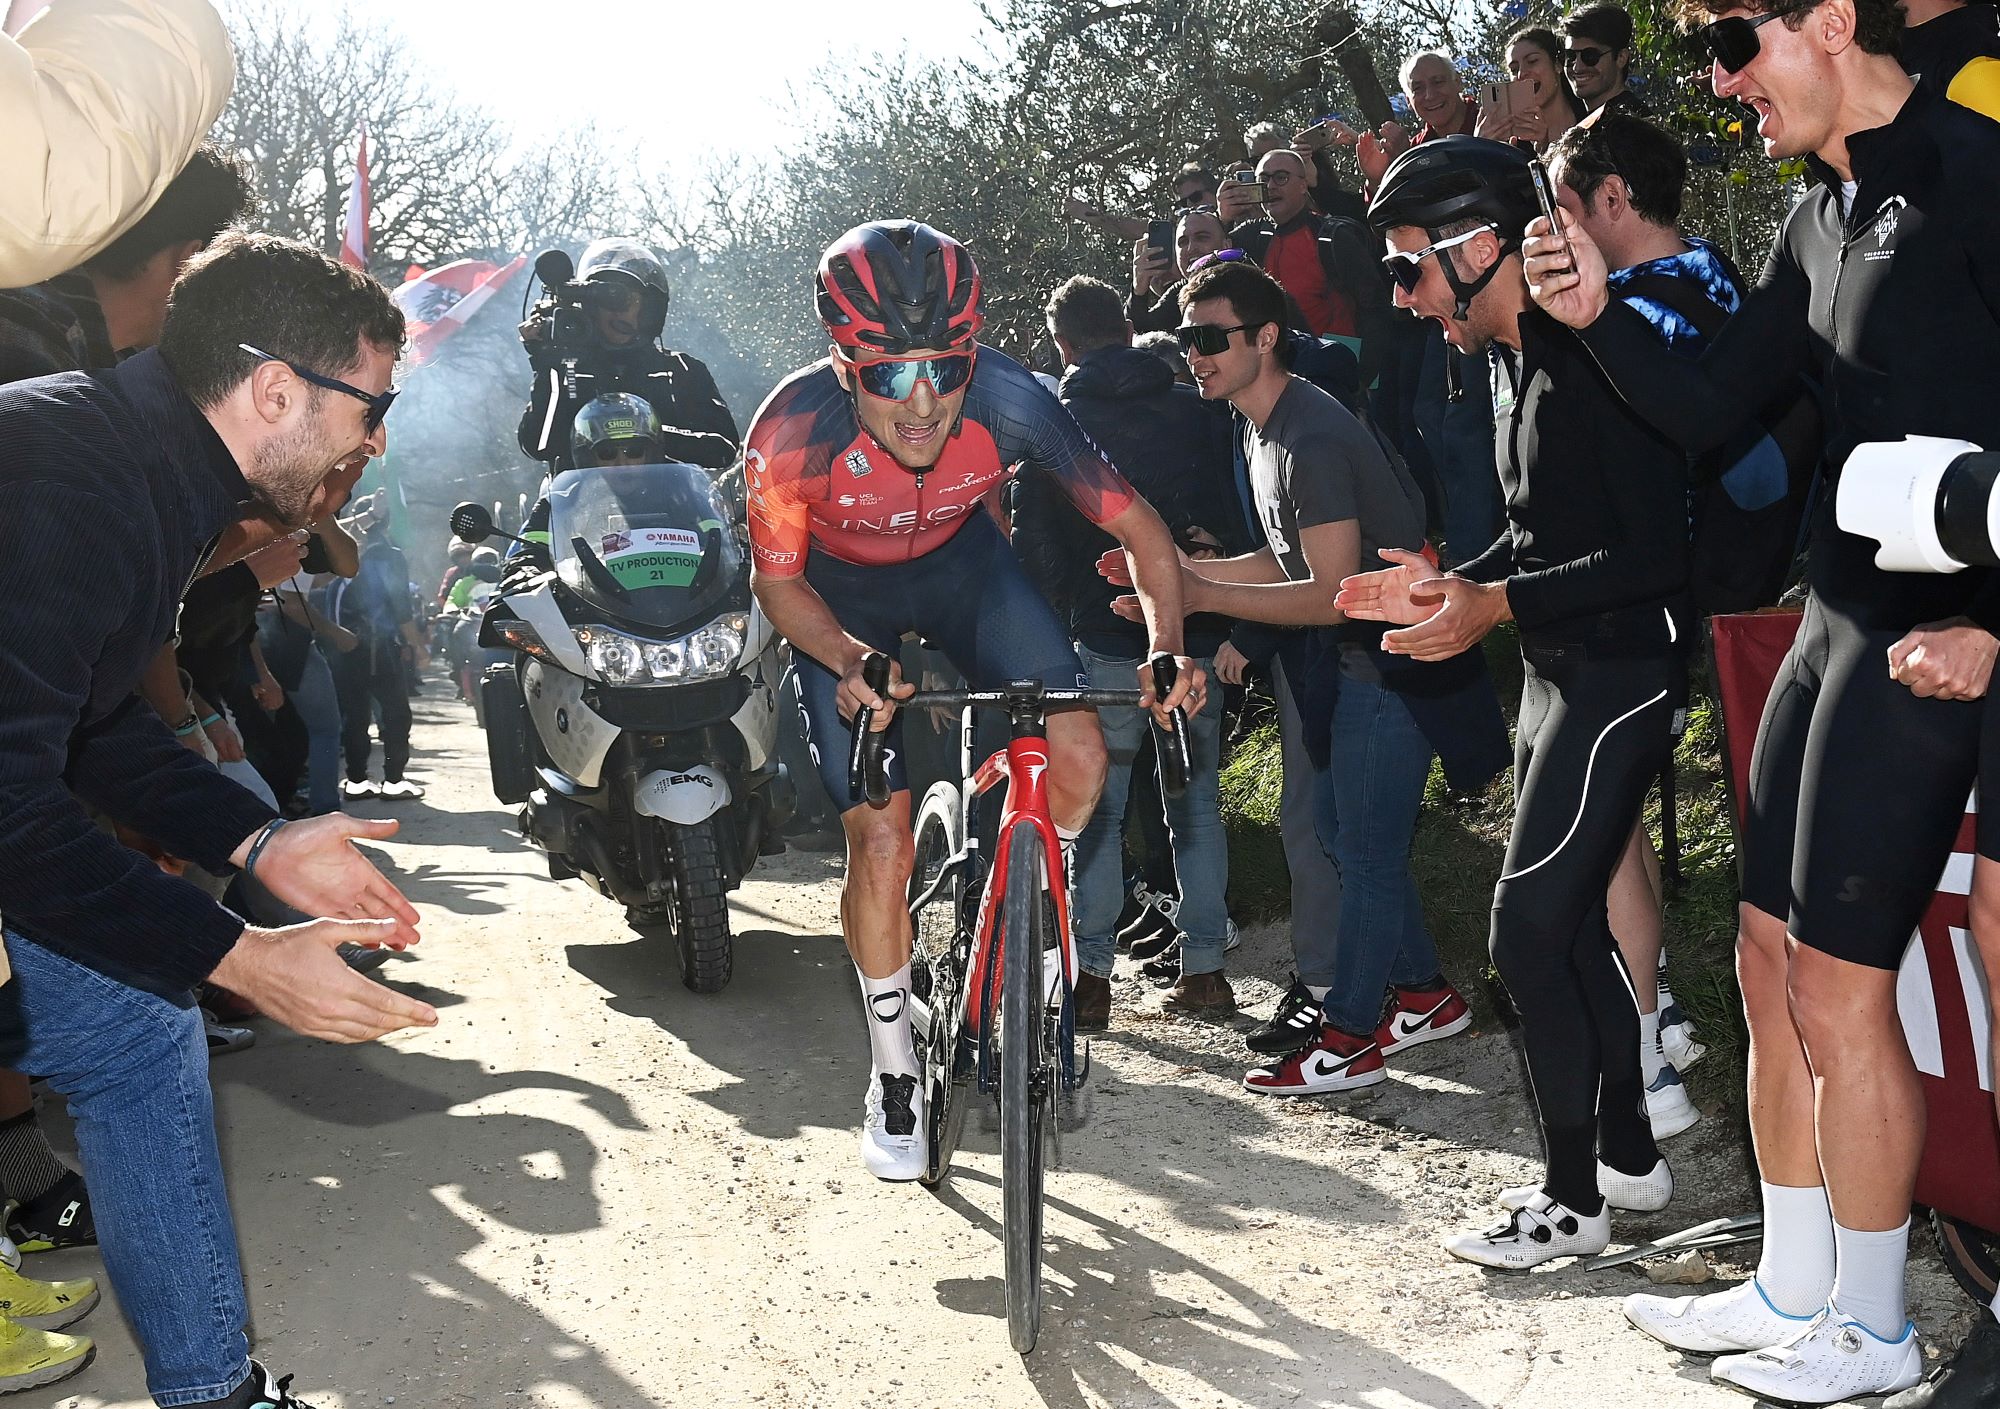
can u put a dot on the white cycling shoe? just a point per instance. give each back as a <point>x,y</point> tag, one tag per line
<point>1829,1361</point>
<point>1635,1193</point>
<point>892,1127</point>
<point>1720,1323</point>
<point>1539,1231</point>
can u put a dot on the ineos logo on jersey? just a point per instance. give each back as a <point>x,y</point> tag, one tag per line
<point>908,521</point>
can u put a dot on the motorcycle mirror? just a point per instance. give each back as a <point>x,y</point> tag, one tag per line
<point>554,268</point>
<point>470,523</point>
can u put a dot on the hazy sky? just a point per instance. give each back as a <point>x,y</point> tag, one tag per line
<point>692,80</point>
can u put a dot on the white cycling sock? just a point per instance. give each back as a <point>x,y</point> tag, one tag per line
<point>1796,1269</point>
<point>1651,1058</point>
<point>1869,1284</point>
<point>888,1003</point>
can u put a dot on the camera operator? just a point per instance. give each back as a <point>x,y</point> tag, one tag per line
<point>1883,288</point>
<point>599,334</point>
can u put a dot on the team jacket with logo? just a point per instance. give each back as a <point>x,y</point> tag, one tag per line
<point>817,480</point>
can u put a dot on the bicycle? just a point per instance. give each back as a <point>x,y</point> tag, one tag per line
<point>1007,947</point>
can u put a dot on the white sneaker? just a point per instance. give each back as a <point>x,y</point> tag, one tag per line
<point>1667,1104</point>
<point>402,788</point>
<point>1635,1193</point>
<point>1232,938</point>
<point>1677,1042</point>
<point>1830,1361</point>
<point>366,787</point>
<point>1539,1231</point>
<point>1720,1323</point>
<point>892,1127</point>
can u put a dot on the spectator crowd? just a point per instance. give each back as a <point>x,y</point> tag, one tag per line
<point>1361,497</point>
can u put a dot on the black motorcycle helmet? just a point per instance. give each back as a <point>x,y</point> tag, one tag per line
<point>1448,180</point>
<point>626,262</point>
<point>618,419</point>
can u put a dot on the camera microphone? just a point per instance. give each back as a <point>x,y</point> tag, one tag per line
<point>554,268</point>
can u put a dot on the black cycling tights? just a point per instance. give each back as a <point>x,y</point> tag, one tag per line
<point>1593,734</point>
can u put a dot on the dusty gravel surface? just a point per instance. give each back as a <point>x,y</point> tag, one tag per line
<point>590,1189</point>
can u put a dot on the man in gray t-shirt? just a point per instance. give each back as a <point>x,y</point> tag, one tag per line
<point>1311,462</point>
<point>1329,497</point>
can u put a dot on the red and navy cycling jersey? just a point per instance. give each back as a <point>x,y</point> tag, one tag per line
<point>816,479</point>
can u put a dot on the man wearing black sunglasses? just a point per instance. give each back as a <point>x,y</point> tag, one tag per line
<point>1882,289</point>
<point>150,461</point>
<point>1597,54</point>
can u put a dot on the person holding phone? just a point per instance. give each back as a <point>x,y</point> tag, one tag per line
<point>1539,105</point>
<point>1592,568</point>
<point>1871,740</point>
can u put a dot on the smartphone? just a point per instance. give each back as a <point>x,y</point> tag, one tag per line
<point>1160,235</point>
<point>1327,132</point>
<point>1545,196</point>
<point>1252,187</point>
<point>1506,99</point>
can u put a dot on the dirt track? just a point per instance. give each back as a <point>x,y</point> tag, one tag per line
<point>591,1189</point>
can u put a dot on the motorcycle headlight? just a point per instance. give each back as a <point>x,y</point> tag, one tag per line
<point>707,654</point>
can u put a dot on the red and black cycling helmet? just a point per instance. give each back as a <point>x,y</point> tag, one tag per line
<point>895,285</point>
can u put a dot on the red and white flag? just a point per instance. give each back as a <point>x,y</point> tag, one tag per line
<point>354,229</point>
<point>437,303</point>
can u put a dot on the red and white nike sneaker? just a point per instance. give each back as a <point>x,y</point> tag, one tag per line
<point>1418,1015</point>
<point>1333,1061</point>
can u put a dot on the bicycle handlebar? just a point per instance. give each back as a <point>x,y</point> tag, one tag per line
<point>868,780</point>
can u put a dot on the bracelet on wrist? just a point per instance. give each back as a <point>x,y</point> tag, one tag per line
<point>257,847</point>
<point>187,727</point>
<point>208,720</point>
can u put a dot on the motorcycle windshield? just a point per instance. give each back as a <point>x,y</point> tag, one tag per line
<point>647,544</point>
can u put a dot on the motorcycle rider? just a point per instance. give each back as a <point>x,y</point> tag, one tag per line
<point>619,429</point>
<point>628,298</point>
<point>868,475</point>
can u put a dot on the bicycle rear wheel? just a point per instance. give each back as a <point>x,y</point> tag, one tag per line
<point>1025,1080</point>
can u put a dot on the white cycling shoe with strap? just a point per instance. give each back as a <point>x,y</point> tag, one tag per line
<point>1540,1230</point>
<point>1830,1360</point>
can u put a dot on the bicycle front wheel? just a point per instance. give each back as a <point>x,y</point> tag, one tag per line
<point>1025,1080</point>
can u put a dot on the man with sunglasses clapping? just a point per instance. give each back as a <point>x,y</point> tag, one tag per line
<point>868,477</point>
<point>1883,289</point>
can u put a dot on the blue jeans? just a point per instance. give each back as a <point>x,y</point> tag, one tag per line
<point>319,706</point>
<point>1201,849</point>
<point>134,1067</point>
<point>1367,803</point>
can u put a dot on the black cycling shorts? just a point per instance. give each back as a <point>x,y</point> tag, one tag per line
<point>969,598</point>
<point>1857,789</point>
<point>1987,842</point>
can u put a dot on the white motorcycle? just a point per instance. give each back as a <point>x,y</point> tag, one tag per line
<point>637,723</point>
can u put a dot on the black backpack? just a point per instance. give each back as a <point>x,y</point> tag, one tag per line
<point>1748,498</point>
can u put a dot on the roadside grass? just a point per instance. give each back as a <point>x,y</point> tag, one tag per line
<point>1459,844</point>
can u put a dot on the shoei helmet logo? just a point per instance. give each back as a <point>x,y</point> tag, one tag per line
<point>857,464</point>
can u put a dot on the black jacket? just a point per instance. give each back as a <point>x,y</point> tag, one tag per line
<point>699,428</point>
<point>1174,449</point>
<point>1893,309</point>
<point>1352,259</point>
<point>115,487</point>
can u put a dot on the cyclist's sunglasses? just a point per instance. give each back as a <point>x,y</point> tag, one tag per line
<point>1406,267</point>
<point>1733,42</point>
<point>896,378</point>
<point>630,451</point>
<point>378,406</point>
<point>1209,339</point>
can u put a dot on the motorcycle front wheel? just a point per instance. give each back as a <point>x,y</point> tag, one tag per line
<point>697,914</point>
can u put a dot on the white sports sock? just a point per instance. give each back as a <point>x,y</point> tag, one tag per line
<point>1319,991</point>
<point>1994,1306</point>
<point>1869,1285</point>
<point>1796,1270</point>
<point>1651,1059</point>
<point>888,1003</point>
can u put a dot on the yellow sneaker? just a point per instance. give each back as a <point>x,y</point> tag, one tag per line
<point>30,1359</point>
<point>42,1306</point>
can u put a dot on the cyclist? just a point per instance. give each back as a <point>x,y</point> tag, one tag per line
<point>1882,288</point>
<point>1593,571</point>
<point>868,474</point>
